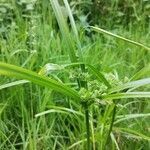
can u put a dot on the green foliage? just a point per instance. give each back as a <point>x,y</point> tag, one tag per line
<point>120,12</point>
<point>14,71</point>
<point>91,91</point>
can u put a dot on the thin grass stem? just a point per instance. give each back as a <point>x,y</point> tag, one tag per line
<point>120,37</point>
<point>87,125</point>
<point>111,125</point>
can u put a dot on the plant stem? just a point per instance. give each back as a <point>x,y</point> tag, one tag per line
<point>86,107</point>
<point>87,125</point>
<point>81,83</point>
<point>111,124</point>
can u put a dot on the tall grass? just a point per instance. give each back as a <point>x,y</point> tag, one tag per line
<point>83,93</point>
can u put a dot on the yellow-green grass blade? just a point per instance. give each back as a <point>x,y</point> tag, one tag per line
<point>99,76</point>
<point>74,28</point>
<point>132,132</point>
<point>57,109</point>
<point>115,141</point>
<point>130,116</point>
<point>143,72</point>
<point>129,85</point>
<point>127,95</point>
<point>21,73</point>
<point>120,37</point>
<point>14,83</point>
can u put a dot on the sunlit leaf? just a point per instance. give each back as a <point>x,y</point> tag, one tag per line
<point>49,68</point>
<point>7,85</point>
<point>132,133</point>
<point>56,109</point>
<point>21,73</point>
<point>143,72</point>
<point>133,84</point>
<point>130,116</point>
<point>127,95</point>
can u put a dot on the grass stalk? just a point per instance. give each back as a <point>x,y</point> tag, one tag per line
<point>107,65</point>
<point>86,108</point>
<point>65,33</point>
<point>81,84</point>
<point>64,30</point>
<point>111,125</point>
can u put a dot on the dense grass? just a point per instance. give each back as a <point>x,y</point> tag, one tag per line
<point>34,117</point>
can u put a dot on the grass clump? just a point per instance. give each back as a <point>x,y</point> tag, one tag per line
<point>85,91</point>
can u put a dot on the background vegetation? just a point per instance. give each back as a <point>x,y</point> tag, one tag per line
<point>33,36</point>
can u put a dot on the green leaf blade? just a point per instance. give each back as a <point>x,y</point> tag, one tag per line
<point>64,30</point>
<point>133,84</point>
<point>127,95</point>
<point>119,37</point>
<point>99,76</point>
<point>11,84</point>
<point>18,72</point>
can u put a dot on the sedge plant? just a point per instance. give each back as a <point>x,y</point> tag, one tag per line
<point>94,90</point>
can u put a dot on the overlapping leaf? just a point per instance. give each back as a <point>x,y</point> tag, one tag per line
<point>21,73</point>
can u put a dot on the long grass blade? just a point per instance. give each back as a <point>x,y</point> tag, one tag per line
<point>130,116</point>
<point>56,109</point>
<point>99,76</point>
<point>64,30</point>
<point>133,84</point>
<point>77,143</point>
<point>143,72</point>
<point>127,95</point>
<point>133,133</point>
<point>74,29</point>
<point>11,84</point>
<point>18,72</point>
<point>115,141</point>
<point>119,37</point>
